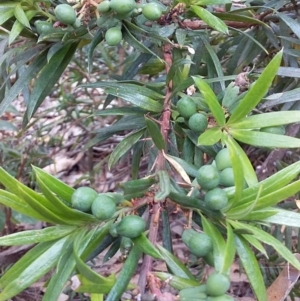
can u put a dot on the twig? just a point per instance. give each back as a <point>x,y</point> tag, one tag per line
<point>160,165</point>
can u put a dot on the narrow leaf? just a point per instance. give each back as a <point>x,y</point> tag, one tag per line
<point>219,245</point>
<point>251,267</point>
<point>174,264</point>
<point>257,91</point>
<point>267,119</point>
<point>34,271</point>
<point>144,244</point>
<point>36,236</point>
<point>55,185</point>
<point>49,76</point>
<point>155,133</point>
<point>124,146</point>
<point>128,270</point>
<point>211,100</point>
<point>270,240</point>
<point>210,136</point>
<point>263,139</point>
<point>210,19</point>
<point>21,16</point>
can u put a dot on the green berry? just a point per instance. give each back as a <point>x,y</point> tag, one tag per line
<point>227,177</point>
<point>113,36</point>
<point>198,122</point>
<point>65,14</point>
<point>82,198</point>
<point>208,177</point>
<point>216,199</point>
<point>103,207</point>
<point>186,107</point>
<point>104,6</point>
<point>152,11</point>
<point>217,284</point>
<point>131,226</point>
<point>122,6</point>
<point>223,159</point>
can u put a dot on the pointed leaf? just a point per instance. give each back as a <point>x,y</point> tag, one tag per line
<point>21,16</point>
<point>210,19</point>
<point>230,250</point>
<point>18,204</point>
<point>25,77</point>
<point>284,217</point>
<point>35,236</point>
<point>135,94</point>
<point>219,245</point>
<point>128,270</point>
<point>34,271</point>
<point>269,240</point>
<point>61,275</point>
<point>263,139</point>
<point>177,282</point>
<point>98,37</point>
<point>257,91</point>
<point>49,76</point>
<point>174,264</point>
<point>211,100</point>
<point>144,244</point>
<point>155,133</point>
<point>210,136</point>
<point>164,186</point>
<point>251,267</point>
<point>55,185</point>
<point>267,119</point>
<point>124,146</point>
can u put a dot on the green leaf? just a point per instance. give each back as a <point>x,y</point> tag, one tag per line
<point>284,217</point>
<point>48,77</point>
<point>27,259</point>
<point>267,119</point>
<point>33,271</point>
<point>238,168</point>
<point>263,139</point>
<point>18,204</point>
<point>124,146</point>
<point>230,250</point>
<point>174,264</point>
<point>269,240</point>
<point>25,77</point>
<point>219,245</point>
<point>211,100</point>
<point>257,91</point>
<point>137,95</point>
<point>189,168</point>
<point>155,133</point>
<point>249,173</point>
<point>177,282</point>
<point>55,185</point>
<point>290,22</point>
<point>21,16</point>
<point>18,26</point>
<point>256,244</point>
<point>45,208</point>
<point>121,111</point>
<point>6,14</point>
<point>278,195</point>
<point>81,242</point>
<point>164,186</point>
<point>128,270</point>
<point>144,244</point>
<point>7,126</point>
<point>98,37</point>
<point>36,236</point>
<point>87,286</point>
<point>210,136</point>
<point>251,267</point>
<point>210,19</point>
<point>61,275</point>
<point>175,68</point>
<point>60,208</point>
